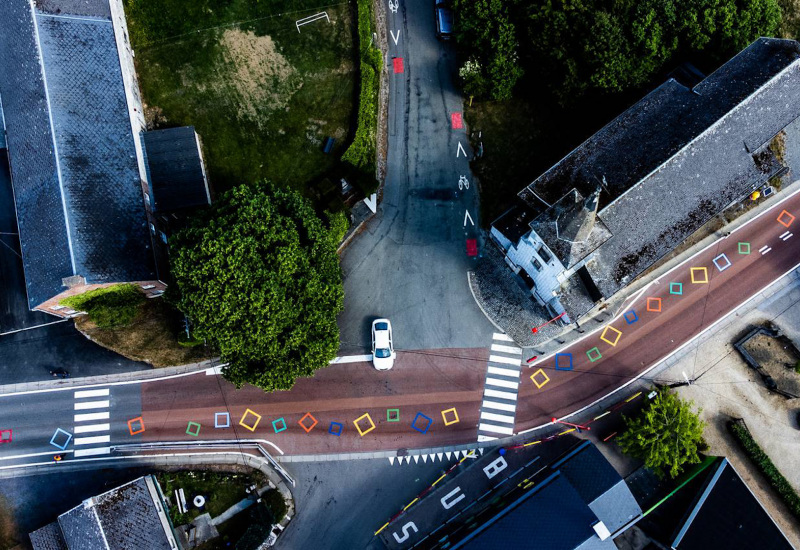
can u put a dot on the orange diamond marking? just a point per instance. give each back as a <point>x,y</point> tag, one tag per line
<point>302,423</point>
<point>654,305</point>
<point>785,219</point>
<point>139,429</point>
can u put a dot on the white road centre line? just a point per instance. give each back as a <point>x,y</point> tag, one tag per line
<point>782,235</point>
<point>91,405</point>
<point>499,394</point>
<point>502,383</point>
<point>499,406</point>
<point>91,417</point>
<point>91,428</point>
<point>507,349</point>
<point>787,237</point>
<point>765,251</point>
<point>500,337</point>
<point>91,440</point>
<point>92,452</point>
<point>507,360</point>
<point>763,248</point>
<point>504,372</point>
<point>496,429</point>
<point>91,393</point>
<point>498,417</point>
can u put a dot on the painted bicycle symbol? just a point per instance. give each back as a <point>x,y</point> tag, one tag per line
<point>463,183</point>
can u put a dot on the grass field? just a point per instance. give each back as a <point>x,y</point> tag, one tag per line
<point>262,96</point>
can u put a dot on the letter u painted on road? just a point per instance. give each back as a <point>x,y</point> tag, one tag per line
<point>447,503</point>
<point>406,528</point>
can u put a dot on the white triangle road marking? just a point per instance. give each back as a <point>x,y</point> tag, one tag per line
<point>460,150</point>
<point>416,459</point>
<point>372,202</point>
<point>395,38</point>
<point>391,460</point>
<point>467,217</point>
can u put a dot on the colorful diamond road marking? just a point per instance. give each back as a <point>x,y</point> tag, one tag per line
<point>722,262</point>
<point>654,305</point>
<point>696,272</point>
<point>540,378</point>
<point>339,428</point>
<point>138,422</point>
<point>222,420</point>
<point>60,439</point>
<point>472,247</point>
<point>251,427</point>
<point>559,365</point>
<point>453,420</point>
<point>302,422</point>
<point>744,248</point>
<point>785,219</point>
<point>6,436</point>
<point>427,426</point>
<point>594,354</point>
<point>361,432</point>
<point>617,335</point>
<point>392,415</point>
<point>676,288</point>
<point>455,118</point>
<point>282,423</point>
<point>397,63</point>
<point>193,432</point>
<point>630,317</point>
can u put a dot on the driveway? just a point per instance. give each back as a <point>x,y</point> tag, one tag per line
<point>410,263</point>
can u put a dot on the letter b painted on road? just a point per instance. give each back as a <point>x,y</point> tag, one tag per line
<point>406,528</point>
<point>447,503</point>
<point>495,467</point>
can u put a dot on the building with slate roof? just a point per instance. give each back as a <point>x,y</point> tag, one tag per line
<point>649,179</point>
<point>579,503</point>
<point>73,120</point>
<point>130,517</point>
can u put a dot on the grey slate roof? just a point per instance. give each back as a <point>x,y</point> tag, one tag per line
<point>175,169</point>
<point>124,518</point>
<point>675,159</point>
<point>79,201</point>
<point>97,8</point>
<point>48,538</point>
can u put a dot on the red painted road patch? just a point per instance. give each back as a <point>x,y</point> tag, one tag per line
<point>456,120</point>
<point>397,62</point>
<point>472,247</point>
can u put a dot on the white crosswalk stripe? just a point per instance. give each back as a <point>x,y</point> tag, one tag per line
<point>499,406</point>
<point>89,423</point>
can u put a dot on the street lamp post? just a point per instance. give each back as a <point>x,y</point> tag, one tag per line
<point>536,329</point>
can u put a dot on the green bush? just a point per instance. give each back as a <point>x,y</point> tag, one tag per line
<point>110,307</point>
<point>362,152</point>
<point>273,500</point>
<point>763,463</point>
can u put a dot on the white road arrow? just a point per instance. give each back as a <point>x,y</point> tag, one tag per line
<point>395,38</point>
<point>467,217</point>
<point>460,150</point>
<point>372,202</point>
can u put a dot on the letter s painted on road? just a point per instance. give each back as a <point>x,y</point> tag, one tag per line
<point>408,526</point>
<point>447,504</point>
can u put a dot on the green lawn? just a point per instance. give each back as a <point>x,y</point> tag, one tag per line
<point>262,96</point>
<point>221,491</point>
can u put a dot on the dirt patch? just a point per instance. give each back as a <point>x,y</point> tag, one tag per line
<point>382,145</point>
<point>261,77</point>
<point>9,536</point>
<point>778,357</point>
<point>152,337</point>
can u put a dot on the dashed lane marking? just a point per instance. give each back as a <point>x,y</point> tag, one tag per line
<point>92,452</point>
<point>500,337</point>
<point>91,393</point>
<point>514,350</point>
<point>504,372</point>
<point>89,417</point>
<point>86,405</point>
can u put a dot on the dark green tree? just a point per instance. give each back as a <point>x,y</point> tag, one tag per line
<point>258,276</point>
<point>667,435</point>
<point>485,30</point>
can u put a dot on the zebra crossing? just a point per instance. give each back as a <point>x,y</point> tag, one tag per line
<point>92,426</point>
<point>499,406</point>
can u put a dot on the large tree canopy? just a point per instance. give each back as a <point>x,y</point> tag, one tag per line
<point>667,435</point>
<point>258,276</point>
<point>602,45</point>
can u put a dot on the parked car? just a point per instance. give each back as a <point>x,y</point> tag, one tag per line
<point>444,19</point>
<point>382,344</point>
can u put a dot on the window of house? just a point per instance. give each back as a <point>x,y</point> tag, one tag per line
<point>537,265</point>
<point>544,254</point>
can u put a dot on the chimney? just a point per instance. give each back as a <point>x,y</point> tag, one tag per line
<point>601,530</point>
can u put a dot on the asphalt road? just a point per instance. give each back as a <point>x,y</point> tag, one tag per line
<point>410,263</point>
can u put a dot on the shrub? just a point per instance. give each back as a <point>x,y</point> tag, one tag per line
<point>273,500</point>
<point>110,307</point>
<point>763,463</point>
<point>362,152</point>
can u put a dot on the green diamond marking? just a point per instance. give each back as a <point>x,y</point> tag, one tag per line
<point>744,248</point>
<point>596,357</point>
<point>392,415</point>
<point>676,288</point>
<point>189,428</point>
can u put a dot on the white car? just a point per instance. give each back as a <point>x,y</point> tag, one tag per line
<point>382,346</point>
